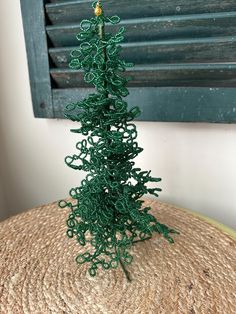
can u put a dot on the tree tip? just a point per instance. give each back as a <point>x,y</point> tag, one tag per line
<point>98,9</point>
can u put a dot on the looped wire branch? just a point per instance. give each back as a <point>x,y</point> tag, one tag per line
<point>107,215</point>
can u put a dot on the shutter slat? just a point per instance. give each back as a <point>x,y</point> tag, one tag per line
<point>55,1</point>
<point>179,51</point>
<point>211,75</point>
<point>74,11</point>
<point>168,27</point>
<point>172,104</point>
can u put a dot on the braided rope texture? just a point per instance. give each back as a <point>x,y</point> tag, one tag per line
<point>38,274</point>
<point>107,213</point>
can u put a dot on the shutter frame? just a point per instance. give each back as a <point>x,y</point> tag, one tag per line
<point>165,91</point>
<point>33,15</point>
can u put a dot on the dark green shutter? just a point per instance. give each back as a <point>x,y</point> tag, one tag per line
<point>184,53</point>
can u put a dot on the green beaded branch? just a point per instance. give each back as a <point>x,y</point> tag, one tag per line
<point>107,215</point>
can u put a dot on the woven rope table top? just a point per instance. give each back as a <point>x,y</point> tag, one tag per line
<point>39,275</point>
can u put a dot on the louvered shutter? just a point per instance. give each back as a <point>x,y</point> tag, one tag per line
<point>184,53</point>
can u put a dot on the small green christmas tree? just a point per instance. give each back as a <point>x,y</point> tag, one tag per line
<point>107,216</point>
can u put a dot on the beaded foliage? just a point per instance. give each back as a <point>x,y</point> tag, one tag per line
<point>107,215</point>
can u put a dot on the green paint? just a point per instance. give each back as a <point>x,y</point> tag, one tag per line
<point>184,56</point>
<point>38,60</point>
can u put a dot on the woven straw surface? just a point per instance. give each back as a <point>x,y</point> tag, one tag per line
<point>38,272</point>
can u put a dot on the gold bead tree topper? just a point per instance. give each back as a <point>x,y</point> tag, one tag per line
<point>98,9</point>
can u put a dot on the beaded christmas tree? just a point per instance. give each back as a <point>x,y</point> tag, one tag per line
<point>107,215</point>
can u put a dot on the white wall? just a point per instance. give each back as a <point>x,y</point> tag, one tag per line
<point>3,209</point>
<point>196,161</point>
